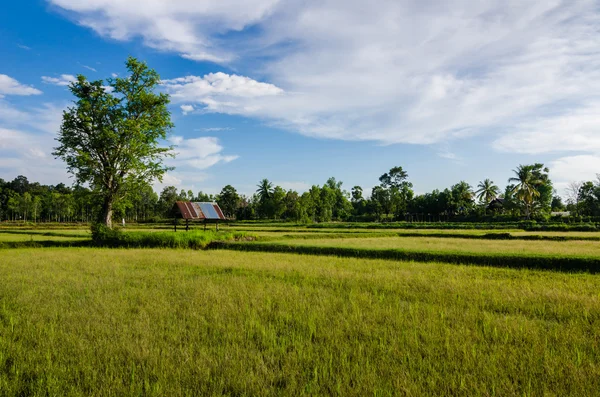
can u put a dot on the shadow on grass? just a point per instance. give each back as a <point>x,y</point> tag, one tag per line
<point>487,236</point>
<point>46,244</point>
<point>545,262</point>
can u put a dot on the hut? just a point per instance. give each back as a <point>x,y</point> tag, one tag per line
<point>496,204</point>
<point>204,212</point>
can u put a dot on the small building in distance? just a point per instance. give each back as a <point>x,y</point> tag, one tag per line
<point>197,211</point>
<point>496,204</point>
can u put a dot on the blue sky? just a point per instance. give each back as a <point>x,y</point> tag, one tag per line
<point>299,91</point>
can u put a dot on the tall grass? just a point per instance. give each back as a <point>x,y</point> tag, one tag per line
<point>508,260</point>
<point>192,239</point>
<point>82,322</point>
<point>437,244</point>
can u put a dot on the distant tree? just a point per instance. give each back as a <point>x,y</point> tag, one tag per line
<point>589,198</point>
<point>246,208</point>
<point>228,200</point>
<point>572,191</point>
<point>203,197</point>
<point>294,207</point>
<point>487,191</point>
<point>381,201</point>
<point>167,200</point>
<point>557,204</point>
<point>532,188</point>
<point>358,201</point>
<point>265,193</point>
<point>312,201</point>
<point>357,194</point>
<point>277,202</point>
<point>110,138</point>
<point>525,187</point>
<point>20,184</point>
<point>341,208</point>
<point>461,201</point>
<point>398,192</point>
<point>265,189</point>
<point>396,177</point>
<point>183,196</point>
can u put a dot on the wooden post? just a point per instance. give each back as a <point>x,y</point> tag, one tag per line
<point>217,226</point>
<point>204,225</point>
<point>175,224</point>
<point>187,225</point>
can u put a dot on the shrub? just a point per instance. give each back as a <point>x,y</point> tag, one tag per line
<point>101,233</point>
<point>193,240</point>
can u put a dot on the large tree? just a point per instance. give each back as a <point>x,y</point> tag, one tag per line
<point>110,137</point>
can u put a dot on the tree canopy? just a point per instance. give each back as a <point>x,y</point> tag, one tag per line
<point>110,138</point>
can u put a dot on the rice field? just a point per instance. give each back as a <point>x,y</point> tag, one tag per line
<point>188,322</point>
<point>432,244</point>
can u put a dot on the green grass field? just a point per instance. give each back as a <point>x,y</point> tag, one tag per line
<point>433,244</point>
<point>169,322</point>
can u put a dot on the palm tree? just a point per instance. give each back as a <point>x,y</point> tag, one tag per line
<point>487,191</point>
<point>525,187</point>
<point>265,190</point>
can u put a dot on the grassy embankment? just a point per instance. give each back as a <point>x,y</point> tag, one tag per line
<point>184,322</point>
<point>551,255</point>
<point>125,239</point>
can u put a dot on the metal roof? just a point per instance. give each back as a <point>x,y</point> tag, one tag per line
<point>200,211</point>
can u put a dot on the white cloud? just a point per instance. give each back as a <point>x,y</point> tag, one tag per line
<point>185,109</point>
<point>397,72</point>
<point>574,130</point>
<point>27,141</point>
<point>24,47</point>
<point>572,168</point>
<point>194,88</point>
<point>569,169</point>
<point>170,180</point>
<point>198,153</point>
<point>62,80</point>
<point>24,143</point>
<point>10,86</point>
<point>45,118</point>
<point>25,153</point>
<point>183,26</point>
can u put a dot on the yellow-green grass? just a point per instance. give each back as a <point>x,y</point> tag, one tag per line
<point>9,237</point>
<point>280,229</point>
<point>182,322</point>
<point>468,232</point>
<point>547,233</point>
<point>432,244</point>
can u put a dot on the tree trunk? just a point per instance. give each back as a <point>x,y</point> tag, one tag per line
<point>107,212</point>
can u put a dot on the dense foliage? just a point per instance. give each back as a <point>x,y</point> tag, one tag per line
<point>110,137</point>
<point>528,195</point>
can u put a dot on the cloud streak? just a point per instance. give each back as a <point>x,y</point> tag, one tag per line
<point>10,86</point>
<point>62,80</point>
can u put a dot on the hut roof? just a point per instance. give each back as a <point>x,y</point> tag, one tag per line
<point>198,210</point>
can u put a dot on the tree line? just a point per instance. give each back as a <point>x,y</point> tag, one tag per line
<point>529,194</point>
